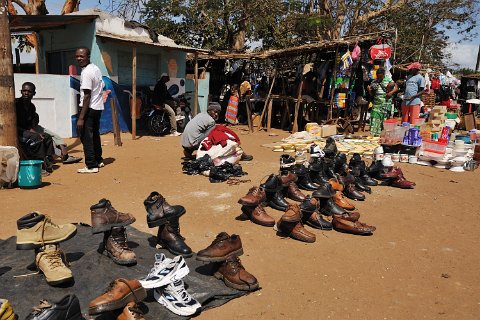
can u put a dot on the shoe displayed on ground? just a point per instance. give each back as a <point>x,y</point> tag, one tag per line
<point>165,271</point>
<point>235,276</point>
<point>286,161</point>
<point>35,230</point>
<point>246,157</point>
<point>329,208</point>
<point>131,312</point>
<point>116,245</point>
<point>118,294</point>
<point>175,298</point>
<point>361,186</point>
<point>169,237</point>
<point>287,177</point>
<point>276,200</point>
<point>174,134</point>
<point>254,197</point>
<point>352,193</point>
<point>291,225</point>
<point>324,191</point>
<point>336,185</point>
<point>315,220</point>
<point>293,192</point>
<point>51,262</point>
<point>342,202</point>
<point>87,170</point>
<point>304,182</point>
<point>223,247</point>
<point>258,215</point>
<point>317,171</point>
<point>6,310</point>
<point>68,308</point>
<point>357,227</point>
<point>272,184</point>
<point>71,159</point>
<point>308,205</point>
<point>159,211</point>
<point>350,216</point>
<point>105,217</point>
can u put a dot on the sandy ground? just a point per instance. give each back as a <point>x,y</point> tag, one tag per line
<point>421,263</point>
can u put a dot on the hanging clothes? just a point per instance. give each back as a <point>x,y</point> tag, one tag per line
<point>232,110</point>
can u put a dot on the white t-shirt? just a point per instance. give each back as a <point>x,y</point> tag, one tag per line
<point>91,79</point>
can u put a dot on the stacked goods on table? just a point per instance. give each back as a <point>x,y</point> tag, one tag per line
<point>429,100</point>
<point>436,120</point>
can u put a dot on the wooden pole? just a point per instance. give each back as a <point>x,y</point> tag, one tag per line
<point>116,126</point>
<point>134,93</point>
<point>297,106</point>
<point>8,118</point>
<point>477,67</point>
<point>332,88</point>
<point>195,95</point>
<point>267,102</point>
<point>37,67</point>
<point>248,106</point>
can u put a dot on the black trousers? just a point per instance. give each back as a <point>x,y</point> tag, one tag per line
<point>90,137</point>
<point>36,146</point>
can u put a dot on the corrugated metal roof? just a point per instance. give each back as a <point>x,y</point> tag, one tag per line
<point>24,23</point>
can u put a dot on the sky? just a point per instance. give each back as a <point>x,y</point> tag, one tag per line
<point>463,54</point>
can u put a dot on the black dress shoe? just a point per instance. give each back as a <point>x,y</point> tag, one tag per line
<point>317,171</point>
<point>272,184</point>
<point>286,161</point>
<point>304,182</point>
<point>352,193</point>
<point>276,201</point>
<point>315,220</point>
<point>308,205</point>
<point>361,186</point>
<point>68,308</point>
<point>328,207</point>
<point>169,237</point>
<point>324,191</point>
<point>368,181</point>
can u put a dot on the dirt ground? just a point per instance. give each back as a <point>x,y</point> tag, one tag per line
<point>421,263</point>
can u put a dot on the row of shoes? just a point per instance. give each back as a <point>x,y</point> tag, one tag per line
<point>165,278</point>
<point>225,250</point>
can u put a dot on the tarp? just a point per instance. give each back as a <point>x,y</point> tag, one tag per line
<point>94,271</point>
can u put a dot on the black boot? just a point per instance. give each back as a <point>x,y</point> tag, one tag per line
<point>361,186</point>
<point>329,208</point>
<point>352,193</point>
<point>169,237</point>
<point>317,174</point>
<point>324,191</point>
<point>273,190</point>
<point>304,182</point>
<point>286,162</point>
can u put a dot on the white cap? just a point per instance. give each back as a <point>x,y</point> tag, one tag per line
<point>387,162</point>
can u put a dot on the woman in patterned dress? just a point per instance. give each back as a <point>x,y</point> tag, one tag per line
<point>382,89</point>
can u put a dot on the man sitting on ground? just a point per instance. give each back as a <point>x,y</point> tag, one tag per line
<point>35,146</point>
<point>198,129</point>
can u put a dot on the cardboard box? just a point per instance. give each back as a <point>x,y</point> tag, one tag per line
<point>329,130</point>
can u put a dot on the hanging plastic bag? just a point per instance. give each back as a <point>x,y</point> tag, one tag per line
<point>356,53</point>
<point>380,51</point>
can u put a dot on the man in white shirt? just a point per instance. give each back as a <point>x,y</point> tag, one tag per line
<point>91,103</point>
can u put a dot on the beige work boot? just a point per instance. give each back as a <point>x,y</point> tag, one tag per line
<point>6,310</point>
<point>35,230</point>
<point>50,260</point>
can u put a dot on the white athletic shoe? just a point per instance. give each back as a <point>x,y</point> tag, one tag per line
<point>87,170</point>
<point>179,117</point>
<point>174,134</point>
<point>101,165</point>
<point>175,298</point>
<point>165,271</point>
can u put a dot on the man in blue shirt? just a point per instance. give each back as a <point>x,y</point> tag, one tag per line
<point>414,88</point>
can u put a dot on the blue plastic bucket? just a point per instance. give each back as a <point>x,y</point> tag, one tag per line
<point>30,174</point>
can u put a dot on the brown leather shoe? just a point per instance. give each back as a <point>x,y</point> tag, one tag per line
<point>116,246</point>
<point>295,230</point>
<point>223,247</point>
<point>105,217</point>
<point>350,216</point>
<point>315,220</point>
<point>352,193</point>
<point>402,183</point>
<point>287,177</point>
<point>336,185</point>
<point>258,215</point>
<point>119,293</point>
<point>342,202</point>
<point>356,227</point>
<point>294,193</point>
<point>292,214</point>
<point>254,197</point>
<point>235,276</point>
<point>131,312</point>
<point>159,211</point>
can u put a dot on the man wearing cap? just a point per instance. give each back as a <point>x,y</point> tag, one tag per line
<point>198,129</point>
<point>162,98</point>
<point>414,88</point>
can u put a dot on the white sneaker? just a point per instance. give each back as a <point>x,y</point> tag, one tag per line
<point>101,165</point>
<point>175,298</point>
<point>174,134</point>
<point>87,170</point>
<point>165,271</point>
<point>178,118</point>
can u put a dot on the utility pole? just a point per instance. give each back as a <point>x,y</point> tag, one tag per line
<point>477,67</point>
<point>8,120</point>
